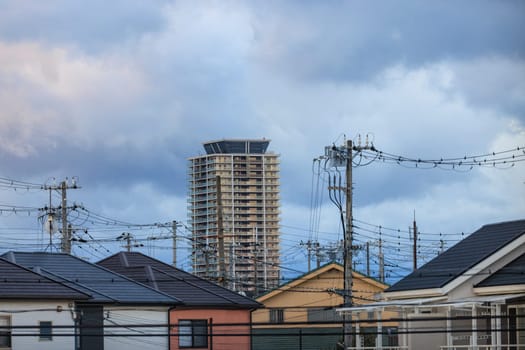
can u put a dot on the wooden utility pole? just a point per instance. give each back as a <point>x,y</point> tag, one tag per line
<point>348,248</point>
<point>220,234</point>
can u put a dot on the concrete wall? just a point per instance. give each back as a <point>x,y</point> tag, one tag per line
<point>140,338</point>
<point>427,341</point>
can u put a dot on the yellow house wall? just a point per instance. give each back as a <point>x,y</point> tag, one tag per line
<point>315,292</point>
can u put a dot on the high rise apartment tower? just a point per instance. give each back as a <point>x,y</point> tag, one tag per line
<point>244,210</point>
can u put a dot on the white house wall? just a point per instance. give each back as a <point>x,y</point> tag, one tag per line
<point>23,313</point>
<point>495,262</point>
<point>157,337</point>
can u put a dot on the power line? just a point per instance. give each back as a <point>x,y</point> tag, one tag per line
<point>502,159</point>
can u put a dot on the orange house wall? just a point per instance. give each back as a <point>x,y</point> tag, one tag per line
<point>217,317</point>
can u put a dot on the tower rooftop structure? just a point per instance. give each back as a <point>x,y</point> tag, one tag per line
<point>235,146</point>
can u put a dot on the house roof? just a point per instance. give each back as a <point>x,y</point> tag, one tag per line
<point>315,273</point>
<point>103,285</point>
<point>511,274</point>
<point>464,255</point>
<point>17,282</point>
<point>189,289</point>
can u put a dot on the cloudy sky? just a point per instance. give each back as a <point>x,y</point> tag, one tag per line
<point>121,93</point>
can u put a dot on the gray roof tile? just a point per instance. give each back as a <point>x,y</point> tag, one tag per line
<point>190,289</point>
<point>462,256</point>
<point>18,282</point>
<point>104,285</point>
<point>512,273</point>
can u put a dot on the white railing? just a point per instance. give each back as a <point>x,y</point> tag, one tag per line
<point>446,347</point>
<point>378,348</point>
<point>482,347</point>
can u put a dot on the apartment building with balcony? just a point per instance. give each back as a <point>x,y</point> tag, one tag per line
<point>234,214</point>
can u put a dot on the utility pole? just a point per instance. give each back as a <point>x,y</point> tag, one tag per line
<point>174,229</point>
<point>347,255</point>
<point>256,288</point>
<point>344,156</point>
<point>414,252</point>
<point>368,258</point>
<point>220,234</point>
<point>308,250</point>
<point>66,234</point>
<point>317,254</point>
<point>265,256</point>
<point>232,275</point>
<point>126,236</point>
<point>65,240</point>
<point>381,262</point>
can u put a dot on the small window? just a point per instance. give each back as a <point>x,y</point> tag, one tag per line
<point>5,332</point>
<point>276,315</point>
<point>193,333</point>
<point>323,315</point>
<point>46,330</point>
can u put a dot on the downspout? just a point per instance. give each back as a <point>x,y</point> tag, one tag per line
<point>211,334</point>
<point>169,327</point>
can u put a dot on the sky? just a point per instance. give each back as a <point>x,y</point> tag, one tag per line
<point>120,94</point>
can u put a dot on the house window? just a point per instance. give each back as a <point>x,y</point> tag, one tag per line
<point>5,332</point>
<point>193,333</point>
<point>46,330</point>
<point>276,315</point>
<point>323,315</point>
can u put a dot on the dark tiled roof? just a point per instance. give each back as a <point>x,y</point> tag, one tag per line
<point>190,289</point>
<point>462,256</point>
<point>104,285</point>
<point>512,273</point>
<point>17,282</point>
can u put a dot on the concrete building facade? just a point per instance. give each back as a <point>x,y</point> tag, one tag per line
<point>234,214</point>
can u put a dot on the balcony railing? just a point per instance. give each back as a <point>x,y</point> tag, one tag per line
<point>377,348</point>
<point>483,347</point>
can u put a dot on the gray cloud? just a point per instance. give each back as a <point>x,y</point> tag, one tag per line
<point>123,103</point>
<point>92,26</point>
<point>354,40</point>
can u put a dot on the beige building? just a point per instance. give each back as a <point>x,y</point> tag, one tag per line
<point>234,194</point>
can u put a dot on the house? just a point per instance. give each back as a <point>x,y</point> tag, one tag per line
<point>31,305</point>
<point>304,309</point>
<point>208,316</point>
<point>472,296</point>
<point>118,313</point>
